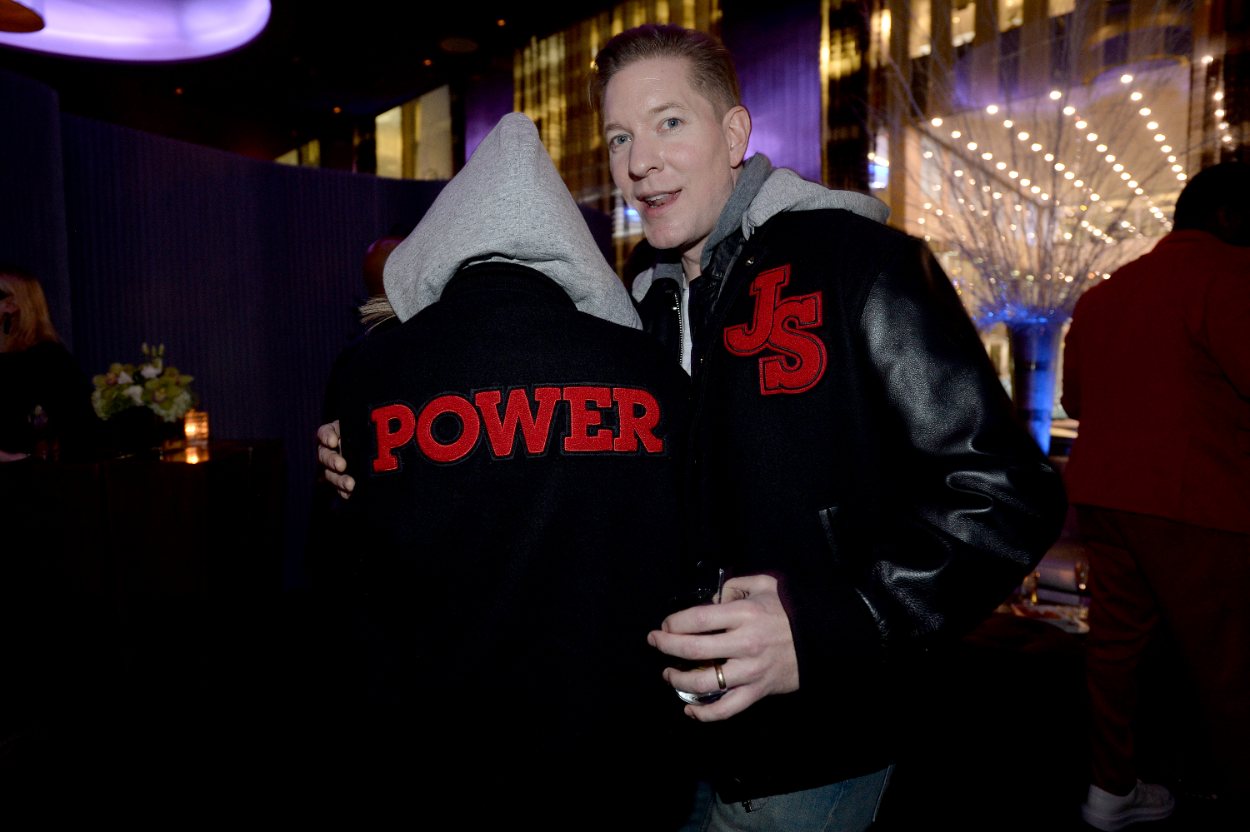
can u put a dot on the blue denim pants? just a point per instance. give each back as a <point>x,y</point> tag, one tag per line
<point>849,806</point>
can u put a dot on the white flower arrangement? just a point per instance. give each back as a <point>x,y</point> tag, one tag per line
<point>162,389</point>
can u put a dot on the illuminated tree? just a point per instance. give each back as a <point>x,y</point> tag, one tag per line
<point>1032,165</point>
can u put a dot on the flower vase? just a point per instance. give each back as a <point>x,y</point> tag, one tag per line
<point>1034,369</point>
<point>138,429</point>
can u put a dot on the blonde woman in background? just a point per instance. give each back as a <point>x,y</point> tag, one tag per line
<point>44,394</point>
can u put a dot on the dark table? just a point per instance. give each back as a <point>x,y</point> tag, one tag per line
<point>198,522</point>
<point>138,601</point>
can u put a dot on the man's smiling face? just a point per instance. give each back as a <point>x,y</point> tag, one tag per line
<point>673,159</point>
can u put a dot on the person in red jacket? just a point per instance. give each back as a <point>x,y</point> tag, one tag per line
<point>1157,370</point>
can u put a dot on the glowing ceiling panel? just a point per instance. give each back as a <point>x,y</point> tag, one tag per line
<point>144,30</point>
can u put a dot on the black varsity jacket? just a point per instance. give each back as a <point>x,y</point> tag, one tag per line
<point>517,531</point>
<point>849,436</point>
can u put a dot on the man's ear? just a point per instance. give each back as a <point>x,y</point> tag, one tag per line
<point>1231,226</point>
<point>737,127</point>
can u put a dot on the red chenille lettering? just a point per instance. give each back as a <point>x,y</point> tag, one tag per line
<point>389,440</point>
<point>749,339</point>
<point>471,426</point>
<point>582,418</point>
<point>802,360</point>
<point>535,428</point>
<point>637,426</point>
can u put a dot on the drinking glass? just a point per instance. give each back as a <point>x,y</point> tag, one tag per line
<point>684,601</point>
<point>1081,570</point>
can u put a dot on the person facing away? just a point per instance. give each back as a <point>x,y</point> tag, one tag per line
<point>1157,370</point>
<point>853,460</point>
<point>515,445</point>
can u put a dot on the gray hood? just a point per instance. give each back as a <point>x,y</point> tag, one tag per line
<point>762,192</point>
<point>507,204</point>
<point>785,190</point>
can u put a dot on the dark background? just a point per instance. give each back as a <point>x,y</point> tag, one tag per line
<point>246,270</point>
<point>281,89</point>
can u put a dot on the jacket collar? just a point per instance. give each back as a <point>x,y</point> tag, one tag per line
<point>753,176</point>
<point>1188,235</point>
<point>507,277</point>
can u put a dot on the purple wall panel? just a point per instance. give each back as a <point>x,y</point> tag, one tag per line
<point>32,200</point>
<point>777,55</point>
<point>487,99</point>
<point>246,270</point>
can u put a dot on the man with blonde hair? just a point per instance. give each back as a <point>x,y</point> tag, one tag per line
<point>854,463</point>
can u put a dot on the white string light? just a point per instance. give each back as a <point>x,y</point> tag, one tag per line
<point>1069,175</point>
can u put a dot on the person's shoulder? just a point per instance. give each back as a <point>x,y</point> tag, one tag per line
<point>383,348</point>
<point>834,227</point>
<point>856,250</point>
<point>634,343</point>
<point>48,348</point>
<point>49,353</point>
<point>1236,260</point>
<point>850,243</point>
<point>1230,276</point>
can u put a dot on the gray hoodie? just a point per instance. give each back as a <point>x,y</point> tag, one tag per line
<point>761,193</point>
<point>507,204</point>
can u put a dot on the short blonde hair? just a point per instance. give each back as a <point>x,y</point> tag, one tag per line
<point>33,323</point>
<point>711,66</point>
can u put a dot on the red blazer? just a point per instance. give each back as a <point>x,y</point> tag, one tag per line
<point>1157,369</point>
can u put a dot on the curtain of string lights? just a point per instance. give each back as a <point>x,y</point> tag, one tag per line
<point>1031,183</point>
<point>1031,198</point>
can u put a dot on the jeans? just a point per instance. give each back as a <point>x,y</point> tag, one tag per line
<point>849,806</point>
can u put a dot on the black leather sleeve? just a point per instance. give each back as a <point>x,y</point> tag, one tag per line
<point>977,503</point>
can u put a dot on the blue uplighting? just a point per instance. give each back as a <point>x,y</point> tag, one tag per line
<point>878,176</point>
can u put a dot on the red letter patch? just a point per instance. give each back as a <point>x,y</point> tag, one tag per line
<point>582,418</point>
<point>776,325</point>
<point>389,440</point>
<point>502,432</point>
<point>471,426</point>
<point>637,417</point>
<point>637,426</point>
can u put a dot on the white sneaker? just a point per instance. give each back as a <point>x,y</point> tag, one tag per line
<point>1108,812</point>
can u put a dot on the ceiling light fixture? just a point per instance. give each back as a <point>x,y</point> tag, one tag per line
<point>22,16</point>
<point>138,31</point>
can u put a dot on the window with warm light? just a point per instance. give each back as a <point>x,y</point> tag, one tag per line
<point>414,139</point>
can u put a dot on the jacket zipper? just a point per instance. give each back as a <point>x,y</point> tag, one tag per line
<point>699,386</point>
<point>681,331</point>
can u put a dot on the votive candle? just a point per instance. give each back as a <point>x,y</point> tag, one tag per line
<point>196,427</point>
